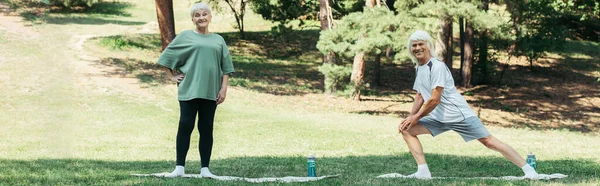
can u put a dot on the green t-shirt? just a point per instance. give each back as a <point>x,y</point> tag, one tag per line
<point>203,59</point>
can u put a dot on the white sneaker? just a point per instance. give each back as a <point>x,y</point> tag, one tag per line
<point>532,176</point>
<point>205,173</point>
<point>420,175</point>
<point>179,171</point>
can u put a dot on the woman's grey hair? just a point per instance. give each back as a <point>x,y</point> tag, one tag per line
<point>420,35</point>
<point>199,6</point>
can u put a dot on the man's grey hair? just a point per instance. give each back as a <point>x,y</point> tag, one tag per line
<point>420,35</point>
<point>200,6</point>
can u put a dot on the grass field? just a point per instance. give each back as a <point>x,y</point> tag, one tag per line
<point>76,112</point>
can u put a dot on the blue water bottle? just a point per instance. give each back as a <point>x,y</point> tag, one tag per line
<point>531,160</point>
<point>312,166</point>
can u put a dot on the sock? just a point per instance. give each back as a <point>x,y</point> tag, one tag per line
<point>528,170</point>
<point>205,172</point>
<point>179,171</point>
<point>422,167</point>
<point>423,171</point>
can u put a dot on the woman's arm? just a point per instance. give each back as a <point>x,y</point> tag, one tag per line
<point>223,91</point>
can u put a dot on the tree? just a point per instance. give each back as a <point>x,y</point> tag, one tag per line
<point>446,11</point>
<point>166,22</point>
<point>536,28</point>
<point>326,20</point>
<point>483,62</point>
<point>444,40</point>
<point>238,8</point>
<point>358,66</point>
<point>284,11</point>
<point>468,56</point>
<point>374,24</point>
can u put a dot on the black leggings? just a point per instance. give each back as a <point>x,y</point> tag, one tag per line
<point>206,115</point>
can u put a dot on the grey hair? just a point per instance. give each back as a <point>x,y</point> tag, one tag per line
<point>420,35</point>
<point>199,6</point>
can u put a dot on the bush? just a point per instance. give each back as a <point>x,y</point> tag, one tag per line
<point>71,3</point>
<point>337,76</point>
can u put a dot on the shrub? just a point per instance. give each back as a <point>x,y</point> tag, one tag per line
<point>71,3</point>
<point>337,76</point>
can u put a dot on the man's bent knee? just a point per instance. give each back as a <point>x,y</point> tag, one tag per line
<point>488,142</point>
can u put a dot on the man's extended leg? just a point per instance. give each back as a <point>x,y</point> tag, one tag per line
<point>511,154</point>
<point>416,149</point>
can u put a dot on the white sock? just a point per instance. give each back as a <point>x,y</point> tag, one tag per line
<point>422,171</point>
<point>205,172</point>
<point>179,171</point>
<point>528,170</point>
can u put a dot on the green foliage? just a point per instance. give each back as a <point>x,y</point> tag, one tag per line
<point>71,3</point>
<point>283,11</point>
<point>122,42</point>
<point>539,32</point>
<point>375,25</point>
<point>337,76</point>
<point>584,8</point>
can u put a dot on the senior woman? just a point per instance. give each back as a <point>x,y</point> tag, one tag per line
<point>199,62</point>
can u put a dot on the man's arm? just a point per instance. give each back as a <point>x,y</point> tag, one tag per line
<point>418,112</point>
<point>417,104</point>
<point>434,101</point>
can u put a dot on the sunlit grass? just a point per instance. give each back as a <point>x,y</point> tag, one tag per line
<point>61,127</point>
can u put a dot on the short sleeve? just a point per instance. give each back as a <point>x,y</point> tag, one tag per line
<point>176,53</point>
<point>226,64</point>
<point>438,76</point>
<point>416,80</point>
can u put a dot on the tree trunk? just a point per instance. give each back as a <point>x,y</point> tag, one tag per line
<point>358,65</point>
<point>468,63</point>
<point>483,49</point>
<point>461,23</point>
<point>376,76</point>
<point>372,3</point>
<point>238,15</point>
<point>358,73</point>
<point>166,22</point>
<point>444,41</point>
<point>326,17</point>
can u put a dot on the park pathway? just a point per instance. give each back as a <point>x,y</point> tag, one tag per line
<point>49,82</point>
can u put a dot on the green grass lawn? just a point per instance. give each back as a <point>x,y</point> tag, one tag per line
<point>63,125</point>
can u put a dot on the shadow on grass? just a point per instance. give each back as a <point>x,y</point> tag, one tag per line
<point>353,170</point>
<point>38,12</point>
<point>558,90</point>
<point>559,93</point>
<point>291,46</point>
<point>86,20</point>
<point>149,73</point>
<point>115,8</point>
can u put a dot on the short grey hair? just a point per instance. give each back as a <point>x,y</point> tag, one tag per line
<point>199,6</point>
<point>420,35</point>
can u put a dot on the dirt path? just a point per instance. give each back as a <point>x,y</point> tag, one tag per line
<point>83,66</point>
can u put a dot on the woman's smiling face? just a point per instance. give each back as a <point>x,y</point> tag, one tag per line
<point>201,18</point>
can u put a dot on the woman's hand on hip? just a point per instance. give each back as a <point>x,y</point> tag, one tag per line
<point>221,96</point>
<point>178,77</point>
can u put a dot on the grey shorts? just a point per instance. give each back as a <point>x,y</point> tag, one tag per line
<point>470,128</point>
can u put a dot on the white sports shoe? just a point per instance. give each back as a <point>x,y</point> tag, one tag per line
<point>420,175</point>
<point>532,176</point>
<point>179,171</point>
<point>205,173</point>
